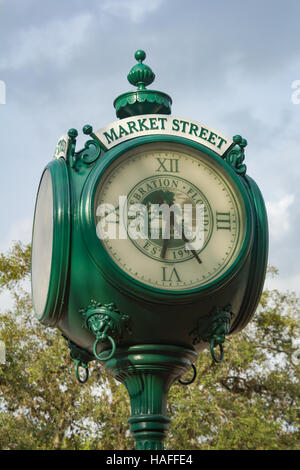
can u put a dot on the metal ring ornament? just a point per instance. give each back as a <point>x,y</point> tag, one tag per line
<point>100,356</point>
<point>188,382</point>
<point>212,352</point>
<point>77,375</point>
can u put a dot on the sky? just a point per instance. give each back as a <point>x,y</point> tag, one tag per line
<point>233,65</point>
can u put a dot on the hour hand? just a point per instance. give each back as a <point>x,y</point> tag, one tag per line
<point>194,252</point>
<point>165,239</point>
<point>164,248</point>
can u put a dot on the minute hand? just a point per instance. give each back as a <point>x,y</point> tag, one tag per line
<point>193,251</point>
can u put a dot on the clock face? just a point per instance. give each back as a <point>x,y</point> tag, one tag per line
<point>169,216</point>
<point>42,243</point>
<point>50,242</point>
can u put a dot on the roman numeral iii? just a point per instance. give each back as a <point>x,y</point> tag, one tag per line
<point>223,220</point>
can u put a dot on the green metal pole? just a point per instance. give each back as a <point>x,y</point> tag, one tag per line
<point>148,371</point>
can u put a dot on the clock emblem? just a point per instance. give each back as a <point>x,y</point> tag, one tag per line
<point>169,243</point>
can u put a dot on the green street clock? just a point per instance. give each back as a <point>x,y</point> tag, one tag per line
<point>149,245</point>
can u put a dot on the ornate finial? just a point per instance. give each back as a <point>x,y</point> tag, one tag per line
<point>140,55</point>
<point>142,100</point>
<point>140,75</point>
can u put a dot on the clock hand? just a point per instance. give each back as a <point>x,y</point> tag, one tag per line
<point>194,252</point>
<point>160,200</point>
<point>166,240</point>
<point>196,256</point>
<point>164,248</point>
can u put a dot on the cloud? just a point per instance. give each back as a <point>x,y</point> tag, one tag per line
<point>279,217</point>
<point>20,230</point>
<point>284,283</point>
<point>136,10</point>
<point>55,41</point>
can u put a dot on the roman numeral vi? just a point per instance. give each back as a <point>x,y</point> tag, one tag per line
<point>170,273</point>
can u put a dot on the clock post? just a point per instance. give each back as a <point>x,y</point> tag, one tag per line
<point>149,245</point>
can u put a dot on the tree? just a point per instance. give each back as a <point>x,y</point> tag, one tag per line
<point>250,401</point>
<point>41,404</point>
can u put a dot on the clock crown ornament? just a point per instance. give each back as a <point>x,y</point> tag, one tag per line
<point>140,75</point>
<point>142,100</point>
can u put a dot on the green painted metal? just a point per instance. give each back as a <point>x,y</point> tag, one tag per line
<point>190,381</point>
<point>214,329</point>
<point>155,340</point>
<point>61,242</point>
<point>259,257</point>
<point>102,319</point>
<point>235,155</point>
<point>140,75</point>
<point>92,274</point>
<point>81,359</point>
<point>142,101</point>
<point>148,371</point>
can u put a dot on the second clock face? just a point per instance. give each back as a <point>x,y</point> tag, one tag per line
<point>169,216</point>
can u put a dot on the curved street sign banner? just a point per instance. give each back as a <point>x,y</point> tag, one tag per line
<point>160,124</point>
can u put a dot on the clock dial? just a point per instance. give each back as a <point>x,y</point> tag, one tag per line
<point>153,248</point>
<point>51,242</point>
<point>42,242</point>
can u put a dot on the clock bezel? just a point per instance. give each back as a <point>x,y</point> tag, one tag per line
<point>60,242</point>
<point>110,270</point>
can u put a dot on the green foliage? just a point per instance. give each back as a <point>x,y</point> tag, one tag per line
<point>250,401</point>
<point>15,265</point>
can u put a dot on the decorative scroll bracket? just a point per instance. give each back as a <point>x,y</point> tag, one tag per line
<point>91,151</point>
<point>92,148</point>
<point>236,155</point>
